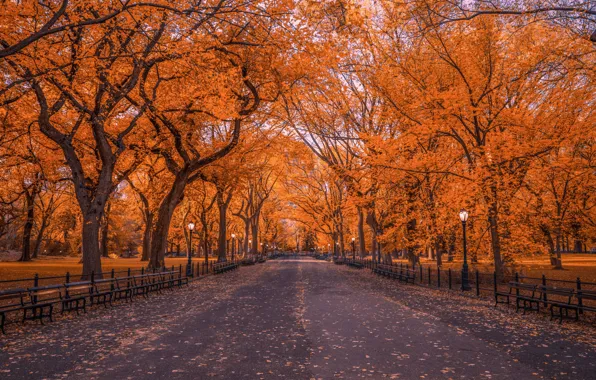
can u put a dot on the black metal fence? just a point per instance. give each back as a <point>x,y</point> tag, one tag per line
<point>482,284</point>
<point>197,269</point>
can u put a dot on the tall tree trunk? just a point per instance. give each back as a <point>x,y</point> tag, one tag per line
<point>159,236</point>
<point>147,236</point>
<point>246,236</point>
<point>91,252</point>
<point>254,226</point>
<point>361,237</point>
<point>439,250</point>
<point>222,235</point>
<point>39,238</point>
<point>28,227</point>
<point>341,233</point>
<point>105,230</point>
<point>371,220</point>
<point>495,239</point>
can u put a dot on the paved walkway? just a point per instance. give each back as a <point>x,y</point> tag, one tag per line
<point>300,319</point>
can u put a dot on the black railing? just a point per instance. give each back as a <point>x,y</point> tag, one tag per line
<point>198,269</point>
<point>482,284</point>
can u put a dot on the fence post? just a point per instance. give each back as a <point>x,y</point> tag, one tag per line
<point>180,270</point>
<point>92,276</point>
<point>439,278</point>
<point>544,293</point>
<point>112,282</point>
<point>142,271</point>
<point>429,284</point>
<point>516,280</point>
<point>449,275</point>
<point>580,302</point>
<point>67,277</point>
<point>35,285</point>
<point>128,279</point>
<point>477,283</point>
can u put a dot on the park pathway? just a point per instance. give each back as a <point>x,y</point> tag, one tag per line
<point>300,319</point>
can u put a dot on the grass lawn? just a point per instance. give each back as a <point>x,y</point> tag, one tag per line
<point>574,266</point>
<point>47,267</point>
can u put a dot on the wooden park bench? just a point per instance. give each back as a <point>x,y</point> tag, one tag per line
<point>168,280</point>
<point>102,292</point>
<point>123,289</point>
<point>355,264</point>
<point>181,279</point>
<point>562,302</point>
<point>75,296</point>
<point>155,281</point>
<point>407,275</point>
<point>586,295</point>
<point>224,267</point>
<point>12,300</point>
<point>339,261</point>
<point>140,285</point>
<point>42,300</point>
<point>385,270</point>
<point>525,296</point>
<point>568,299</point>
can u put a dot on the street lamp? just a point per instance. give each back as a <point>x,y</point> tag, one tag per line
<point>354,249</point>
<point>465,284</point>
<point>233,245</point>
<point>191,227</point>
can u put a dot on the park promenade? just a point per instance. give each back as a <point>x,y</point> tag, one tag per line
<point>300,318</point>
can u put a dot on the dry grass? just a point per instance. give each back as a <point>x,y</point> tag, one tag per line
<point>574,266</point>
<point>47,267</point>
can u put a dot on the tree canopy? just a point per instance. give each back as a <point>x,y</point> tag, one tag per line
<point>297,124</point>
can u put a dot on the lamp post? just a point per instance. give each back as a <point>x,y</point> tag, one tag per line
<point>191,227</point>
<point>233,245</point>
<point>465,284</point>
<point>354,249</point>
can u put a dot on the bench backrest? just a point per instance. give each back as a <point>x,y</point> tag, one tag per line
<point>566,293</point>
<point>518,287</point>
<point>104,284</point>
<point>586,294</point>
<point>124,282</point>
<point>12,298</point>
<point>46,293</point>
<point>77,288</point>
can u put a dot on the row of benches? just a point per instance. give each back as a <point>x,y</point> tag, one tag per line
<point>225,266</point>
<point>355,264</point>
<point>402,274</point>
<point>37,303</point>
<point>529,297</point>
